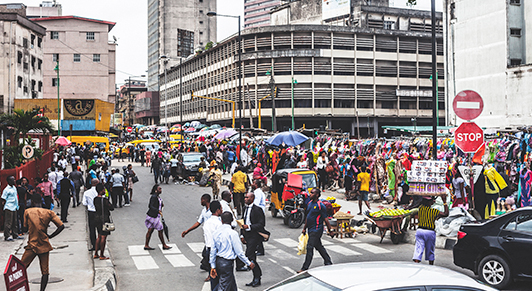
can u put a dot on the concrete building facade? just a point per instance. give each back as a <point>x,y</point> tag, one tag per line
<point>147,108</point>
<point>127,98</point>
<point>357,78</point>
<point>22,54</point>
<point>257,12</point>
<point>87,60</point>
<point>489,44</point>
<point>164,18</point>
<point>45,9</point>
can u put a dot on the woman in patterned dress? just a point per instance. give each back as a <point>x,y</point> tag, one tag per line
<point>153,217</point>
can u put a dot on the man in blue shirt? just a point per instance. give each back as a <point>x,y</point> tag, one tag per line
<point>316,216</point>
<point>10,203</point>
<point>226,247</point>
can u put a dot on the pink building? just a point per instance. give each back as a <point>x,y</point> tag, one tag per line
<point>87,59</point>
<point>257,12</point>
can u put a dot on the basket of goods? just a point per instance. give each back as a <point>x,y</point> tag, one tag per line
<point>342,215</point>
<point>331,199</point>
<point>387,213</point>
<point>427,178</point>
<point>336,207</point>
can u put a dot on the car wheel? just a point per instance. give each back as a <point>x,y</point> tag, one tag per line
<point>494,271</point>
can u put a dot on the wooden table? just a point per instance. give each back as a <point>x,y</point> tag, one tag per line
<point>343,226</point>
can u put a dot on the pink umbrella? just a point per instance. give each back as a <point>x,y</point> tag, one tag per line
<point>190,129</point>
<point>62,141</point>
<point>225,134</point>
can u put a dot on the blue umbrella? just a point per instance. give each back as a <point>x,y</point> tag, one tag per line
<point>290,138</point>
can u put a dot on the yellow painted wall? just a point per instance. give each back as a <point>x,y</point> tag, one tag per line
<point>105,109</point>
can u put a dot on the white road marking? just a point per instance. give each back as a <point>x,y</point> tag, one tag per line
<point>468,105</point>
<point>179,261</point>
<point>272,260</point>
<point>145,263</point>
<point>173,250</point>
<point>289,270</point>
<point>343,250</point>
<point>137,251</point>
<point>291,243</point>
<point>206,286</point>
<point>196,247</point>
<point>280,254</point>
<point>345,240</point>
<point>326,243</point>
<point>372,249</point>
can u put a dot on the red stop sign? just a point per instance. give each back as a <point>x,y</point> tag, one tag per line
<point>469,137</point>
<point>468,105</point>
<point>129,129</point>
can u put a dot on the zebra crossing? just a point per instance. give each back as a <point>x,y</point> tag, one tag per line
<point>276,250</point>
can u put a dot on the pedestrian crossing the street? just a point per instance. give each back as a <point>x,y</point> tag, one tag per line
<point>277,250</point>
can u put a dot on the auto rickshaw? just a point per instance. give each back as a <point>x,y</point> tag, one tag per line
<point>287,196</point>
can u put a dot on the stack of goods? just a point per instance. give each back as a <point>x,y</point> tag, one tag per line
<point>336,207</point>
<point>343,215</point>
<point>388,213</point>
<point>427,178</point>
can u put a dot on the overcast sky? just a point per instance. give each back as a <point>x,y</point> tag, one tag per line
<point>132,25</point>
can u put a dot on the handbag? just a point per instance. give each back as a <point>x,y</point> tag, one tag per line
<point>135,179</point>
<point>265,234</point>
<point>107,226</point>
<point>329,169</point>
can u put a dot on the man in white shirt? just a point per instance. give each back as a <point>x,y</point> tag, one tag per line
<point>226,199</point>
<point>211,225</point>
<point>205,214</point>
<point>260,198</point>
<point>52,177</point>
<point>88,200</point>
<point>118,183</point>
<point>226,247</point>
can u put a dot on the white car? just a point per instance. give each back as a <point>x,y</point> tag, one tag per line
<point>389,276</point>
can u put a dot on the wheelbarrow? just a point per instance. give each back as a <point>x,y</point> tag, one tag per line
<point>393,224</point>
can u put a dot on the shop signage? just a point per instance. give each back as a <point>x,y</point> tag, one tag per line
<point>76,109</point>
<point>27,152</point>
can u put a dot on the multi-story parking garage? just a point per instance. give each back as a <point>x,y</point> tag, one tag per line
<point>353,78</point>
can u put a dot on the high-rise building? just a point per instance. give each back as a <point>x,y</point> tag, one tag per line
<point>45,9</point>
<point>165,20</point>
<point>489,51</point>
<point>257,12</point>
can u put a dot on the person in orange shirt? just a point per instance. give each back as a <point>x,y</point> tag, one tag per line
<point>364,180</point>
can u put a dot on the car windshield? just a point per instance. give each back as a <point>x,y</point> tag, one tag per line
<point>303,282</point>
<point>309,180</point>
<point>192,158</point>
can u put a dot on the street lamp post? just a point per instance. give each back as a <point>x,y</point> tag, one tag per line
<point>212,14</point>
<point>58,100</point>
<point>294,81</point>
<point>435,112</point>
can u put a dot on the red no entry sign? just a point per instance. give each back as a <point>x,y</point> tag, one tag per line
<point>469,137</point>
<point>129,129</point>
<point>468,105</point>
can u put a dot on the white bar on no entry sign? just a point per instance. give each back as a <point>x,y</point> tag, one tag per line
<point>468,105</point>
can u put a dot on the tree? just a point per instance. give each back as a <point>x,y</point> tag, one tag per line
<point>23,122</point>
<point>20,123</point>
<point>411,3</point>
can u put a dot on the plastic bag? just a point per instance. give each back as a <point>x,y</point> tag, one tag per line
<point>302,245</point>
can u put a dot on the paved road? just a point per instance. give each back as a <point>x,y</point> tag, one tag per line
<point>178,269</point>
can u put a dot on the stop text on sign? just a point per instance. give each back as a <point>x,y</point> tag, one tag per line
<point>469,137</point>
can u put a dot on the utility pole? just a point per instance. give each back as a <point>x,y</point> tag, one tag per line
<point>272,88</point>
<point>58,100</point>
<point>434,84</point>
<point>293,122</point>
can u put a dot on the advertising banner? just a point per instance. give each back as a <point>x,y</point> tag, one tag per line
<point>334,8</point>
<point>78,109</point>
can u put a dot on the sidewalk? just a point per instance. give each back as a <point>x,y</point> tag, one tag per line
<point>352,206</point>
<point>70,261</point>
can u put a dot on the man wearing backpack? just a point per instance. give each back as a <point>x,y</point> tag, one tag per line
<point>316,213</point>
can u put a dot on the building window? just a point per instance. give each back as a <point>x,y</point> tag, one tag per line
<point>25,42</point>
<point>515,2</point>
<point>39,64</point>
<point>389,25</point>
<point>515,62</point>
<point>33,62</point>
<point>19,82</point>
<point>96,58</point>
<point>77,58</point>
<point>55,57</point>
<point>90,36</point>
<point>54,35</point>
<point>515,31</point>
<point>201,11</point>
<point>55,82</point>
<point>201,32</point>
<point>32,40</point>
<point>201,22</point>
<point>19,57</point>
<point>40,86</point>
<point>39,42</point>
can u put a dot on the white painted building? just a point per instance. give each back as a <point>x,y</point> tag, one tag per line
<point>489,45</point>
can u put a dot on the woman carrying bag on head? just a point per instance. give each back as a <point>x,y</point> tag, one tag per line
<point>103,221</point>
<point>153,217</point>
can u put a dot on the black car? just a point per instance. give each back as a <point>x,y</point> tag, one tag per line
<point>189,164</point>
<point>497,250</point>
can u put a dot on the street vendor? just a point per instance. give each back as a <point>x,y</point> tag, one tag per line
<point>425,234</point>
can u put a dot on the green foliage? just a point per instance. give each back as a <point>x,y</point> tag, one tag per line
<point>22,122</point>
<point>209,45</point>
<point>411,2</point>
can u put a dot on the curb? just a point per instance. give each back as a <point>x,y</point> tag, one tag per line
<point>104,274</point>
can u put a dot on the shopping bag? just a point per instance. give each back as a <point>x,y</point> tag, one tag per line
<point>302,246</point>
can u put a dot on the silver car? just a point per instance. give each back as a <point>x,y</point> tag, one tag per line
<point>389,276</point>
